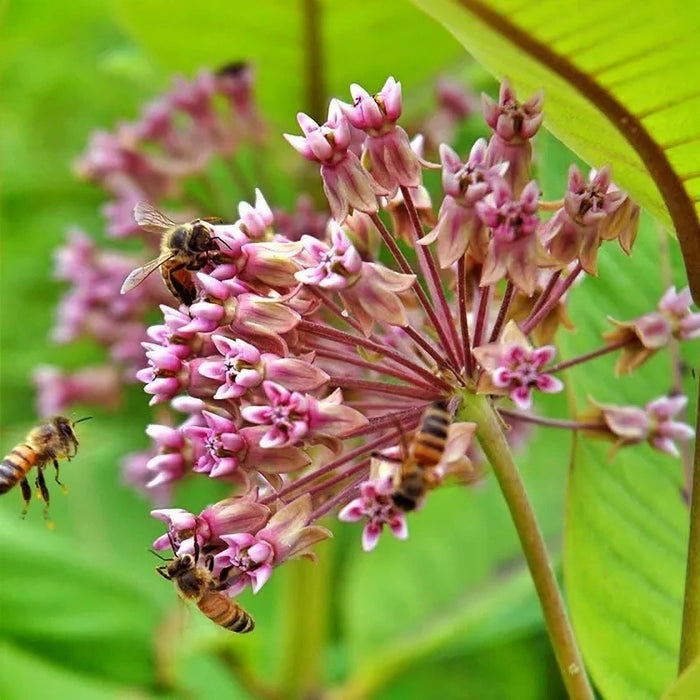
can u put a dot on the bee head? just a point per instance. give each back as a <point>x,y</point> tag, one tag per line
<point>200,238</point>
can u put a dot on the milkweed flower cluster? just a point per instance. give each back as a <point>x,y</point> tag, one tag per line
<point>306,362</point>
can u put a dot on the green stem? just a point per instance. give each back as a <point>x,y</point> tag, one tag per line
<point>306,625</point>
<point>690,632</point>
<point>493,443</point>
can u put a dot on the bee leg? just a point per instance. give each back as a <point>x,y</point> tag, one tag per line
<point>26,495</point>
<point>386,458</point>
<point>55,466</point>
<point>43,491</point>
<point>224,582</point>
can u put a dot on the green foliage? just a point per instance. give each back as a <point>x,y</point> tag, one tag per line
<point>378,38</point>
<point>687,686</point>
<point>626,525</point>
<point>83,614</point>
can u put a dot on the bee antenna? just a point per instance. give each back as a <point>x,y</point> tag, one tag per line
<point>221,240</point>
<point>80,420</point>
<point>153,551</point>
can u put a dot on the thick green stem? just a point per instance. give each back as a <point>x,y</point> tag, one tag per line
<point>306,625</point>
<point>690,632</point>
<point>493,442</point>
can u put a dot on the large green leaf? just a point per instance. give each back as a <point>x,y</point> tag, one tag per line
<point>302,52</point>
<point>627,524</point>
<point>26,676</point>
<point>619,85</point>
<point>74,604</point>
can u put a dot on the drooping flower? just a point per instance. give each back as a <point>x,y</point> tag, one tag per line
<point>346,183</point>
<point>514,251</point>
<point>631,425</point>
<point>575,232</point>
<point>378,508</point>
<point>645,336</point>
<point>388,155</point>
<point>514,124</point>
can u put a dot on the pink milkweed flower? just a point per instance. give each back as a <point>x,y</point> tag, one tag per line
<point>293,417</point>
<point>369,291</point>
<point>346,183</point>
<point>165,375</point>
<point>630,425</point>
<point>221,444</point>
<point>242,366</point>
<point>685,324</point>
<point>269,263</point>
<point>240,514</point>
<point>289,533</point>
<point>247,560</point>
<point>574,232</point>
<point>376,505</point>
<point>175,456</point>
<point>513,368</point>
<point>388,155</point>
<point>255,221</point>
<point>459,227</point>
<point>331,267</point>
<point>514,124</point>
<point>514,250</point>
<point>225,451</point>
<point>230,303</point>
<point>645,335</point>
<point>287,416</point>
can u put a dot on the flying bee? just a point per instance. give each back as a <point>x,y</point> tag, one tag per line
<point>416,474</point>
<point>183,247</point>
<point>196,582</point>
<point>45,443</point>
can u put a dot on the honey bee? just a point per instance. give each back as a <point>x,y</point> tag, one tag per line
<point>195,582</point>
<point>45,443</point>
<point>416,475</point>
<point>183,247</point>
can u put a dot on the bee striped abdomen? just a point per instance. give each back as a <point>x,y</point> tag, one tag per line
<point>225,612</point>
<point>429,442</point>
<point>16,466</point>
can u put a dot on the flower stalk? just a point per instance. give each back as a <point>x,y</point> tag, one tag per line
<point>494,445</point>
<point>307,596</point>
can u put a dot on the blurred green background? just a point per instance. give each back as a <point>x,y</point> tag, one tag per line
<point>451,612</point>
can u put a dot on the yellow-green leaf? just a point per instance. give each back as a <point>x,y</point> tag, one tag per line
<point>687,686</point>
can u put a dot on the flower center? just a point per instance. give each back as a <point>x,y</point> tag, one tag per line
<point>214,445</point>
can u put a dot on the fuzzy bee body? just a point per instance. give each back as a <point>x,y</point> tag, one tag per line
<point>44,444</point>
<point>183,248</point>
<point>195,582</point>
<point>416,475</point>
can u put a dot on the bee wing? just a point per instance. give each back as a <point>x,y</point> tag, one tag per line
<point>150,219</point>
<point>135,277</point>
